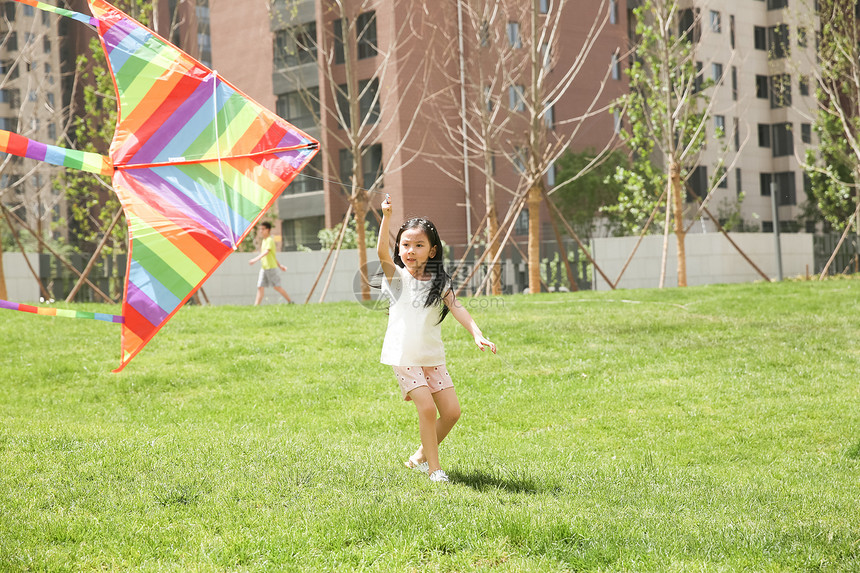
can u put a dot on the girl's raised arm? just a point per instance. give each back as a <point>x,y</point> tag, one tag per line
<point>382,247</point>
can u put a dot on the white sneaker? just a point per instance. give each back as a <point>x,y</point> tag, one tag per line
<point>440,476</point>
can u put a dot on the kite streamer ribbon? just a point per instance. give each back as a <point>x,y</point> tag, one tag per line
<point>65,313</point>
<point>83,160</point>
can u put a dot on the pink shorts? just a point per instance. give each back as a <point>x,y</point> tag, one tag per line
<point>436,378</point>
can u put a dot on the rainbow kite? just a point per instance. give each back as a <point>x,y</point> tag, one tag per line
<point>194,161</point>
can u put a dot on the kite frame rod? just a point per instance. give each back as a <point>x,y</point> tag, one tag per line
<point>215,159</point>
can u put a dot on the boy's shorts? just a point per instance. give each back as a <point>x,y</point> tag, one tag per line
<point>436,378</point>
<point>269,278</point>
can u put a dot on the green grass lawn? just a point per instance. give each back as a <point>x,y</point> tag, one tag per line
<point>700,429</point>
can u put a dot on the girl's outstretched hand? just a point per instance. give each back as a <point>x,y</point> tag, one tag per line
<point>386,205</point>
<point>481,342</point>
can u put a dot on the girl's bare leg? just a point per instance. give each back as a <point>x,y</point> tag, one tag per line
<point>449,412</point>
<point>426,407</point>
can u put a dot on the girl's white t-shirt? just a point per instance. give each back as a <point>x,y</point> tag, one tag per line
<point>413,337</point>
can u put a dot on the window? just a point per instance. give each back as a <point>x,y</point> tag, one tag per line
<point>806,132</point>
<point>296,46</point>
<point>546,56</point>
<point>717,72</point>
<point>762,88</point>
<point>785,187</point>
<point>28,10</point>
<point>514,39</point>
<point>697,81</point>
<point>368,102</point>
<point>517,98</point>
<point>801,37</point>
<point>616,115</point>
<point>732,31</point>
<point>339,56</point>
<point>46,44</point>
<point>778,42</point>
<point>688,25</point>
<point>716,24</point>
<point>776,4</point>
<point>8,69</point>
<point>301,108</point>
<point>365,37</point>
<point>521,226</point>
<point>519,159</point>
<point>734,83</point>
<point>366,31</point>
<point>721,177</point>
<point>720,126</point>
<point>697,182</point>
<point>549,116</point>
<point>760,38</point>
<point>765,179</point>
<point>616,66</point>
<point>488,98</point>
<point>780,91</point>
<point>738,181</point>
<point>737,133</point>
<point>485,34</point>
<point>302,232</point>
<point>763,135</point>
<point>782,140</point>
<point>613,11</point>
<point>12,37</point>
<point>803,85</point>
<point>9,10</point>
<point>550,176</point>
<point>308,179</point>
<point>371,165</point>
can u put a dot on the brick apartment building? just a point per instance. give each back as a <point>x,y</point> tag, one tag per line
<point>246,48</point>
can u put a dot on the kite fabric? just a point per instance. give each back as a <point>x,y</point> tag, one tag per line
<point>196,163</point>
<point>66,313</point>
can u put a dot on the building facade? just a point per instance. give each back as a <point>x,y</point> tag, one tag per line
<point>31,105</point>
<point>761,55</point>
<point>407,55</point>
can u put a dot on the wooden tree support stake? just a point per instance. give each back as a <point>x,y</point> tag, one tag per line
<point>95,256</point>
<point>65,263</point>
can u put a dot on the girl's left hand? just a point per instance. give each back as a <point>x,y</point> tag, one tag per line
<point>481,342</point>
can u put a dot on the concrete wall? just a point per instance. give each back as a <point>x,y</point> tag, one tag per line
<point>235,282</point>
<point>711,259</point>
<point>20,285</point>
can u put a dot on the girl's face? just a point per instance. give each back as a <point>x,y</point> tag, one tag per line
<point>415,250</point>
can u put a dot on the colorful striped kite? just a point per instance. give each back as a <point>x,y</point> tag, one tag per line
<point>194,162</point>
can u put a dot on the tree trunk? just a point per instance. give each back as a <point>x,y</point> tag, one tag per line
<point>3,294</point>
<point>680,233</point>
<point>534,200</point>
<point>360,216</point>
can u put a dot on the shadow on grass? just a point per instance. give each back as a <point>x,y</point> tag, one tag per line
<point>854,452</point>
<point>501,479</point>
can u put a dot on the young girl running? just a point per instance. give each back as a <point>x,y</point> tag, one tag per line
<point>421,296</point>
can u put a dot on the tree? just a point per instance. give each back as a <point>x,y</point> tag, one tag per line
<point>582,198</point>
<point>353,110</point>
<point>667,108</point>
<point>834,171</point>
<point>512,54</point>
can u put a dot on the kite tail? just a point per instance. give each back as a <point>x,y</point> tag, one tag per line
<point>62,12</point>
<point>60,312</point>
<point>83,160</point>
